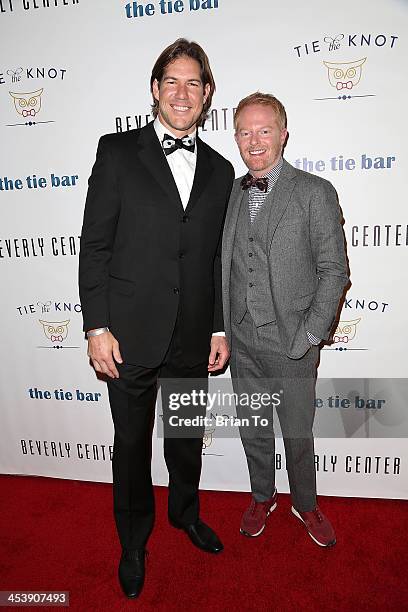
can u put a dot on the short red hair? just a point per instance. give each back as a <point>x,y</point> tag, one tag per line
<point>266,100</point>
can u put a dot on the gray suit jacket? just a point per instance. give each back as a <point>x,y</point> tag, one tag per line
<point>307,268</point>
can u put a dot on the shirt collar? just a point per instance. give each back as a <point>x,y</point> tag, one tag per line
<point>161,130</point>
<point>274,172</point>
<point>272,175</point>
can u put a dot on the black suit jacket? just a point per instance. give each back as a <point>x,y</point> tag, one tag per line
<point>144,258</point>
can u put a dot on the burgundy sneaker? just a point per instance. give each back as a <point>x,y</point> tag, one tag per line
<point>254,518</point>
<point>318,526</point>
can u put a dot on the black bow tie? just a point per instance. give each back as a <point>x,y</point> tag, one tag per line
<point>251,181</point>
<point>171,144</point>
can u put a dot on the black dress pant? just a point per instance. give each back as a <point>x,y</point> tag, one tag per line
<point>132,400</point>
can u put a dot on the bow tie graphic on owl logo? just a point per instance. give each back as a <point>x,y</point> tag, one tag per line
<point>171,144</point>
<point>348,85</point>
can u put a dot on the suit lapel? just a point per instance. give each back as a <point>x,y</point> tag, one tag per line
<point>152,157</point>
<point>202,175</point>
<point>231,220</point>
<point>280,198</point>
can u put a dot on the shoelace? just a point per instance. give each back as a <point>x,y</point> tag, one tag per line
<point>319,515</point>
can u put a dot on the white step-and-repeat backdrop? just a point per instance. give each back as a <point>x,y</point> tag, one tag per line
<point>72,70</point>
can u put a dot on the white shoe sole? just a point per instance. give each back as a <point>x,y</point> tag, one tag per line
<point>296,513</point>
<point>255,535</point>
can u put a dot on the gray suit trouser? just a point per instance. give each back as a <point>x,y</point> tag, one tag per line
<point>259,365</point>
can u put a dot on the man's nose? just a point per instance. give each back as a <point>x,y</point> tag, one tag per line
<point>181,91</point>
<point>253,140</point>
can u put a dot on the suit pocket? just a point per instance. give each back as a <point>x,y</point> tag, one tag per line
<point>303,302</point>
<point>121,285</point>
<point>289,223</point>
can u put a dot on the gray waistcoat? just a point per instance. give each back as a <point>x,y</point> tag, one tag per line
<point>250,288</point>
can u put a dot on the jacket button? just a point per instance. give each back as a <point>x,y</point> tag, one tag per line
<point>181,255</point>
<point>176,290</point>
<point>250,254</point>
<point>251,240</point>
<point>251,270</point>
<point>185,219</point>
<point>251,284</point>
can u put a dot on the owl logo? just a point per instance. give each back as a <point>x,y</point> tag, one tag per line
<point>346,331</point>
<point>27,104</point>
<point>344,75</point>
<point>56,331</point>
<point>208,438</point>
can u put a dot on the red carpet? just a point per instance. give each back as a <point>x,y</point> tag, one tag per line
<point>59,534</point>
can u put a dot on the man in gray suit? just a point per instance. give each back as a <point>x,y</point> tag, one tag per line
<point>284,271</point>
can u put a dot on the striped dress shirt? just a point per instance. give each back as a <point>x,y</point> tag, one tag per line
<point>258,197</point>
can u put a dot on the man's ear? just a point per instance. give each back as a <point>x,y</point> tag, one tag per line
<point>207,90</point>
<point>156,89</point>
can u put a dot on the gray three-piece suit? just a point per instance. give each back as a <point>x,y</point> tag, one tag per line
<point>283,276</point>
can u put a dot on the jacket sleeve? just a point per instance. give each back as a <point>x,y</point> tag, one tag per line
<point>328,247</point>
<point>97,237</point>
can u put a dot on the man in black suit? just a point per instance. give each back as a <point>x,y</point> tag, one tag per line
<point>150,287</point>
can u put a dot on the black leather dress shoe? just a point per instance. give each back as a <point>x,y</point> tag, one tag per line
<point>132,572</point>
<point>202,536</point>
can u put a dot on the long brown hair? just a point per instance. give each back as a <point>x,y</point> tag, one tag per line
<point>183,47</point>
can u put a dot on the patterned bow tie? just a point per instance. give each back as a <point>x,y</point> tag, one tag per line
<point>251,181</point>
<point>171,144</point>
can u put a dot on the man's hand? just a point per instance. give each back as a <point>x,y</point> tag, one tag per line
<point>219,353</point>
<point>102,349</point>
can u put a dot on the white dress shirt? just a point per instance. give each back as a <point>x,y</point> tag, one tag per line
<point>182,163</point>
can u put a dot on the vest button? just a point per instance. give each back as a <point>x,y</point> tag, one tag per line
<point>250,254</point>
<point>251,270</point>
<point>251,240</point>
<point>251,284</point>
